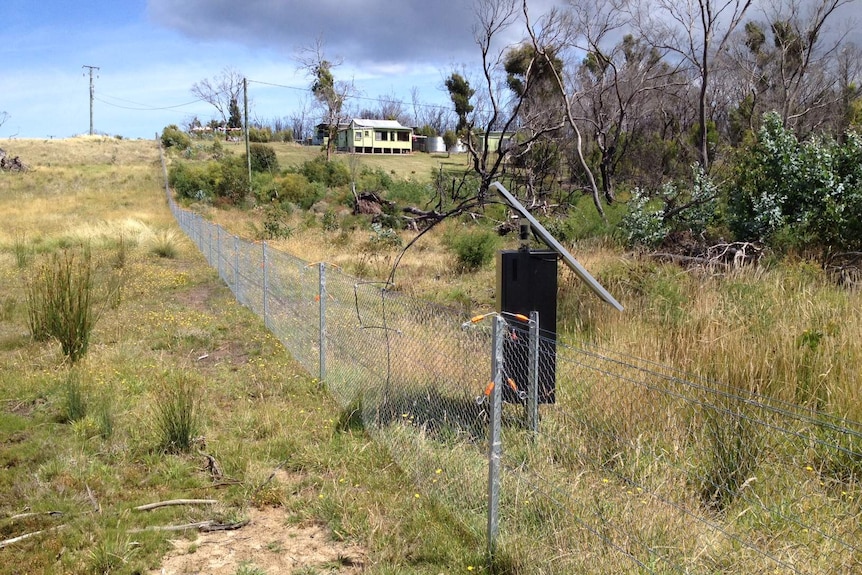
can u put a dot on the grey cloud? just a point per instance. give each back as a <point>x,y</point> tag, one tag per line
<point>359,31</point>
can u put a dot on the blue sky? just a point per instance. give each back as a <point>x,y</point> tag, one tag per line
<point>150,53</point>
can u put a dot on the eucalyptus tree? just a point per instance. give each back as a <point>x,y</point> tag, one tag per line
<point>696,31</point>
<point>623,82</point>
<point>532,86</point>
<point>796,61</point>
<point>330,94</point>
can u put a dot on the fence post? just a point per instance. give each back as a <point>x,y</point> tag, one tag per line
<point>533,375</point>
<point>321,294</point>
<point>236,268</point>
<point>494,441</point>
<point>218,253</point>
<point>265,288</point>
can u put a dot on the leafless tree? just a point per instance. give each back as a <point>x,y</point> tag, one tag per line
<point>220,91</point>
<point>493,113</point>
<point>299,121</point>
<point>622,79</point>
<point>554,28</point>
<point>431,115</point>
<point>789,61</point>
<point>803,69</point>
<point>696,30</point>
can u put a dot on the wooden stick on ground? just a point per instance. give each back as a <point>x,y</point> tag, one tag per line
<point>12,541</point>
<point>156,505</point>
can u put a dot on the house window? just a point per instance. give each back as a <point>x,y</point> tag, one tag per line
<point>403,136</point>
<point>380,136</point>
<point>358,136</point>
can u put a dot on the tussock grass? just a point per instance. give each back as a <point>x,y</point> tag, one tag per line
<point>176,413</point>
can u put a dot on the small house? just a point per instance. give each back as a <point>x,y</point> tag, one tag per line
<point>375,137</point>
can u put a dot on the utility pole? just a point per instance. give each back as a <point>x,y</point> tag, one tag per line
<point>245,107</point>
<point>92,94</point>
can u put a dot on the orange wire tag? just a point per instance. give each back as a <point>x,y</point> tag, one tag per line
<point>489,388</point>
<point>521,317</point>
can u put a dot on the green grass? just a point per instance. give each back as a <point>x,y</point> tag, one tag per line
<point>256,409</point>
<point>784,331</point>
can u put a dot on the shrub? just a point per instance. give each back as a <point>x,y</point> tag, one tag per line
<point>194,181</point>
<point>798,195</point>
<point>473,249</point>
<point>275,224</point>
<point>330,173</point>
<point>261,135</point>
<point>263,158</point>
<point>283,136</point>
<point>232,183</point>
<point>296,189</point>
<point>59,299</point>
<point>675,208</point>
<point>374,179</point>
<point>412,193</point>
<point>173,137</point>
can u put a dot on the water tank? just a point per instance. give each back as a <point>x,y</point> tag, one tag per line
<point>435,145</point>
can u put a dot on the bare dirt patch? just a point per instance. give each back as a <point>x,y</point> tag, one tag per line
<point>267,543</point>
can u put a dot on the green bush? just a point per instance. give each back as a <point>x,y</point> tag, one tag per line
<point>330,173</point>
<point>263,158</point>
<point>296,189</point>
<point>374,179</point>
<point>232,183</point>
<point>283,136</point>
<point>261,135</point>
<point>173,137</point>
<point>473,249</point>
<point>275,226</point>
<point>412,193</point>
<point>675,208</point>
<point>194,181</point>
<point>796,195</point>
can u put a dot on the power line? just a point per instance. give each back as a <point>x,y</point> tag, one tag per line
<point>365,98</point>
<point>144,107</point>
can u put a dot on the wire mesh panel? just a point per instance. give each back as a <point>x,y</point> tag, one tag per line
<point>639,470</point>
<point>637,467</point>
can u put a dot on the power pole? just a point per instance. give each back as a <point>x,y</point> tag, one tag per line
<point>245,107</point>
<point>92,94</point>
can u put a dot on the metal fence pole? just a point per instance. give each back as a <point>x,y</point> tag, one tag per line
<point>533,375</point>
<point>321,294</point>
<point>265,288</point>
<point>218,253</point>
<point>236,268</point>
<point>494,441</point>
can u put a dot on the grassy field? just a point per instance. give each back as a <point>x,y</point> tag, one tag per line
<point>784,330</point>
<point>82,445</point>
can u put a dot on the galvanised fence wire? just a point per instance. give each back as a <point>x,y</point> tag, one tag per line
<point>634,468</point>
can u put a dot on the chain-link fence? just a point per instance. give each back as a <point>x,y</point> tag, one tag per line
<point>633,467</point>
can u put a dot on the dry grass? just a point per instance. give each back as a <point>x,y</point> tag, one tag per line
<point>258,410</point>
